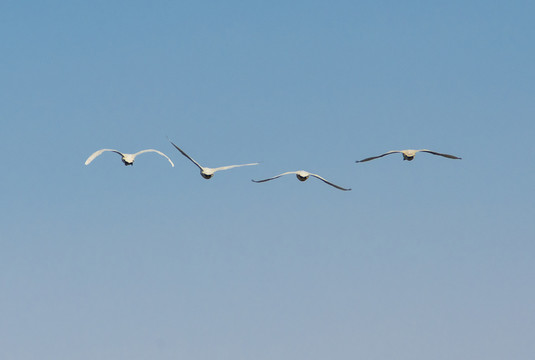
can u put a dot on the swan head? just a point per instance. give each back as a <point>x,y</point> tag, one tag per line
<point>128,159</point>
<point>302,175</point>
<point>408,155</point>
<point>207,173</point>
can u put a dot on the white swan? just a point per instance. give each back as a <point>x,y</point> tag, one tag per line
<point>128,159</point>
<point>409,155</point>
<point>302,176</point>
<point>207,172</point>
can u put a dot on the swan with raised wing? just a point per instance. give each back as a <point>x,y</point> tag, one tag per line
<point>207,172</point>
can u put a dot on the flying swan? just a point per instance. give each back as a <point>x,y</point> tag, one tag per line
<point>207,172</point>
<point>409,155</point>
<point>128,159</point>
<point>302,176</point>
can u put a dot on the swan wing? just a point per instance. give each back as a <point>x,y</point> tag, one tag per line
<point>330,183</point>
<point>440,154</point>
<point>274,177</point>
<point>186,155</point>
<point>232,166</point>
<point>98,152</point>
<point>377,157</point>
<point>157,152</point>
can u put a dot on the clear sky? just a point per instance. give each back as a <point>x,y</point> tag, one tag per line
<point>429,259</point>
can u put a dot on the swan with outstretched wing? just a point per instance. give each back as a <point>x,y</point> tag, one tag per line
<point>128,159</point>
<point>409,155</point>
<point>302,176</point>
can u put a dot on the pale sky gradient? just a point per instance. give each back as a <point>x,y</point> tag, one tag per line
<point>429,259</point>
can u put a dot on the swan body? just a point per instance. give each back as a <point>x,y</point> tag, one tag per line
<point>207,172</point>
<point>409,155</point>
<point>302,176</point>
<point>128,159</point>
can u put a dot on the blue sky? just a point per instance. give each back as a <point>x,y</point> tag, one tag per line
<point>429,259</point>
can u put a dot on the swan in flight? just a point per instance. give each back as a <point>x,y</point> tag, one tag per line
<point>409,155</point>
<point>128,159</point>
<point>207,172</point>
<point>302,176</point>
